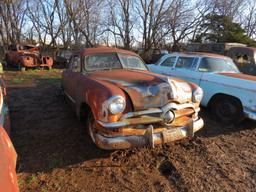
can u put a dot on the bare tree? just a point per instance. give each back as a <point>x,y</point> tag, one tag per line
<point>121,22</point>
<point>12,17</point>
<point>45,17</point>
<point>185,20</point>
<point>153,21</point>
<point>230,8</point>
<point>84,18</point>
<point>248,19</point>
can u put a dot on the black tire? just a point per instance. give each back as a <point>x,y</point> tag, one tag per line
<point>227,109</point>
<point>90,124</point>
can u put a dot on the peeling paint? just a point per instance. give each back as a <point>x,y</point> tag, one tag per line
<point>148,96</point>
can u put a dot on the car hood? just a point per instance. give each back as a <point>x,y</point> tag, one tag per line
<point>147,89</point>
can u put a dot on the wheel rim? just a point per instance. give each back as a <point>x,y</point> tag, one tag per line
<point>226,110</point>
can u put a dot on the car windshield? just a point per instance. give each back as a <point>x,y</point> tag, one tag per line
<point>162,58</point>
<point>210,64</point>
<point>109,61</point>
<point>26,47</point>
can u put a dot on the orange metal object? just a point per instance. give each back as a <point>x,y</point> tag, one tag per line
<point>8,156</point>
<point>27,56</point>
<point>143,92</point>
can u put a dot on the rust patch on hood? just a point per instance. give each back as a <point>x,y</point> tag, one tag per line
<point>240,76</point>
<point>146,89</point>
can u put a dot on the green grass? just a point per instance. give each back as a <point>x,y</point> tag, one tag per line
<point>32,179</point>
<point>17,80</point>
<point>40,77</point>
<point>21,182</point>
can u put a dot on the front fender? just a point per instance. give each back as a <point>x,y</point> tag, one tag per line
<point>27,61</point>
<point>96,93</point>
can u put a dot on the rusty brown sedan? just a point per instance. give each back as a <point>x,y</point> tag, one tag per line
<point>124,105</point>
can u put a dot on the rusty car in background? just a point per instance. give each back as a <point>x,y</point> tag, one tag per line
<point>124,105</point>
<point>8,156</point>
<point>228,93</point>
<point>27,56</point>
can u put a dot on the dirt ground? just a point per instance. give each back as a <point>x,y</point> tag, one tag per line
<point>56,154</point>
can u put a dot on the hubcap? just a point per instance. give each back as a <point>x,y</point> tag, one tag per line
<point>227,109</point>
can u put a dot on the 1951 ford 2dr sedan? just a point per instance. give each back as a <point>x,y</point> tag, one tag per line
<point>229,94</point>
<point>124,105</point>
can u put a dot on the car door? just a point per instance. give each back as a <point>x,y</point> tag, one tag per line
<point>70,77</point>
<point>186,69</point>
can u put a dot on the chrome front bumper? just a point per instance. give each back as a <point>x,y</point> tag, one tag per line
<point>250,114</point>
<point>150,138</point>
<point>124,121</point>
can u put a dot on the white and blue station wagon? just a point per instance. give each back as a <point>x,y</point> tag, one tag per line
<point>230,94</point>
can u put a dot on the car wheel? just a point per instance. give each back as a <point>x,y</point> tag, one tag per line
<point>91,126</point>
<point>228,110</point>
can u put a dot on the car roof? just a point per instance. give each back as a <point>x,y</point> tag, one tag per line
<point>243,48</point>
<point>89,51</point>
<point>199,54</point>
<point>23,44</point>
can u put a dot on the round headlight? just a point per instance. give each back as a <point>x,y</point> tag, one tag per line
<point>116,104</point>
<point>197,95</point>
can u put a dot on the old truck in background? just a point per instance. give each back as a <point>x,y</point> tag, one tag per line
<point>27,56</point>
<point>243,56</point>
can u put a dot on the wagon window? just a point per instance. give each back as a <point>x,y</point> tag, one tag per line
<point>209,64</point>
<point>169,62</point>
<point>185,62</point>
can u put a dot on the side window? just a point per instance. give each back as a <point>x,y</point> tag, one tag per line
<point>204,65</point>
<point>75,64</point>
<point>194,64</point>
<point>185,62</point>
<point>169,62</point>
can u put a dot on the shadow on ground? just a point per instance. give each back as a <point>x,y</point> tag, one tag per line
<point>56,154</point>
<point>45,131</point>
<point>47,134</point>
